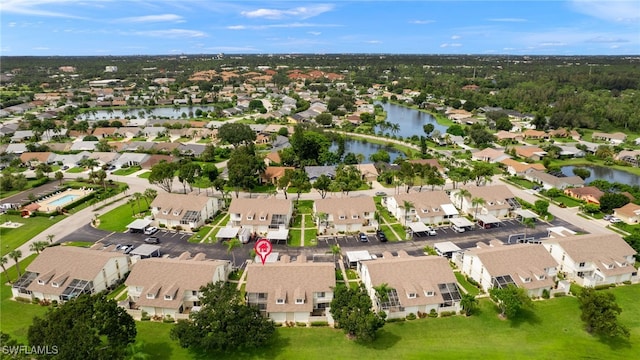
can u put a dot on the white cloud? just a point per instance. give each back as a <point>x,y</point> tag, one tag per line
<point>553,43</point>
<point>172,33</point>
<point>152,18</point>
<point>614,11</point>
<point>302,12</point>
<point>278,26</point>
<point>11,24</point>
<point>315,33</point>
<point>455,37</point>
<point>36,7</point>
<point>507,20</point>
<point>421,22</point>
<point>450,45</point>
<point>373,42</point>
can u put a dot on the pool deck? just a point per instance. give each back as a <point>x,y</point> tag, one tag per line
<point>47,206</point>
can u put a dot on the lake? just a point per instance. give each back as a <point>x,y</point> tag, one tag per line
<point>605,173</point>
<point>142,113</point>
<point>410,120</point>
<point>366,149</point>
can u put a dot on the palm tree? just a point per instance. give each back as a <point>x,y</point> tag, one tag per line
<point>394,127</point>
<point>16,255</point>
<point>476,202</point>
<point>137,196</point>
<point>132,202</point>
<point>528,223</point>
<point>335,251</point>
<point>407,205</point>
<point>50,238</point>
<point>469,303</point>
<point>38,246</point>
<point>3,261</point>
<point>90,163</point>
<point>461,194</point>
<point>149,195</point>
<point>231,245</point>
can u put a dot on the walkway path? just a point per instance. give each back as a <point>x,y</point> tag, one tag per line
<point>214,227</point>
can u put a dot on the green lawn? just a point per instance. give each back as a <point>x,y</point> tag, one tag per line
<point>466,285</point>
<point>118,218</point>
<point>12,238</point>
<point>197,237</point>
<point>79,243</point>
<point>305,206</point>
<point>522,182</point>
<point>145,175</point>
<point>567,201</point>
<point>553,330</point>
<point>294,237</point>
<point>297,221</point>
<point>77,169</point>
<point>127,171</point>
<point>310,237</point>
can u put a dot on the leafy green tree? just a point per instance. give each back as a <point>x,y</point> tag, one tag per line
<point>351,310</point>
<point>380,156</point>
<point>236,134</point>
<point>610,201</point>
<point>350,159</point>
<point>600,313</point>
<point>244,168</point>
<point>581,172</point>
<point>504,124</point>
<point>224,323</point>
<point>322,184</point>
<point>187,174</point>
<point>511,300</point>
<point>428,128</point>
<point>348,178</point>
<point>542,207</point>
<point>456,129</point>
<point>300,181</point>
<point>285,181</point>
<point>591,208</point>
<point>481,172</point>
<point>162,174</point>
<point>86,327</point>
<point>232,244</point>
<point>38,246</point>
<point>481,136</point>
<point>59,176</point>
<point>324,119</point>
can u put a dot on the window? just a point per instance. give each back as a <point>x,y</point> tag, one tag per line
<point>262,296</point>
<point>249,217</point>
<point>263,218</point>
<point>428,293</point>
<point>436,209</point>
<point>40,282</point>
<point>194,293</point>
<point>299,301</point>
<point>55,284</point>
<point>320,294</point>
<point>354,216</point>
<point>280,301</point>
<point>527,280</point>
<point>342,217</point>
<point>150,296</point>
<point>167,297</point>
<point>412,295</point>
<point>581,264</point>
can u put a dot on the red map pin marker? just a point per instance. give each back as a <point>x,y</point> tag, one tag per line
<point>263,248</point>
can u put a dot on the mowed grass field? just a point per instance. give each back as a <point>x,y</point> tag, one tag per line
<point>553,330</point>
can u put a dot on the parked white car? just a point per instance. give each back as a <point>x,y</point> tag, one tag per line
<point>150,230</point>
<point>457,229</point>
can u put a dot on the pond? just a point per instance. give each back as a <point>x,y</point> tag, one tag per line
<point>366,149</point>
<point>605,173</point>
<point>410,120</point>
<point>157,112</point>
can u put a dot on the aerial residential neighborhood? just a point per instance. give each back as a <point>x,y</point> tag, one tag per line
<point>151,195</point>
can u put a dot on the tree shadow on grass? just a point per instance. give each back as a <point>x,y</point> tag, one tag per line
<point>614,342</point>
<point>271,351</point>
<point>527,316</point>
<point>158,350</point>
<point>384,340</point>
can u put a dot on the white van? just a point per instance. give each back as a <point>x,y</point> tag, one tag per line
<point>457,229</point>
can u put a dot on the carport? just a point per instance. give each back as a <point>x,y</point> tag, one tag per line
<point>418,229</point>
<point>354,257</point>
<point>227,233</point>
<point>278,235</point>
<point>522,214</point>
<point>138,226</point>
<point>449,210</point>
<point>146,251</point>
<point>461,222</point>
<point>487,221</point>
<point>446,248</point>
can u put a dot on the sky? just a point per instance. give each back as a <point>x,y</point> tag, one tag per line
<point>165,27</point>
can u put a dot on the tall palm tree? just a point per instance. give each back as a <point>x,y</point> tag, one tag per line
<point>335,251</point>
<point>149,195</point>
<point>528,223</point>
<point>16,255</point>
<point>3,261</point>
<point>132,202</point>
<point>232,245</point>
<point>38,246</point>
<point>407,205</point>
<point>50,238</point>
<point>476,202</point>
<point>137,196</point>
<point>461,194</point>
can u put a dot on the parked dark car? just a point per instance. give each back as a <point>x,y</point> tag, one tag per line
<point>152,240</point>
<point>381,236</point>
<point>363,237</point>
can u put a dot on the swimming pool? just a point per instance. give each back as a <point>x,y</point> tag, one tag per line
<point>63,200</point>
